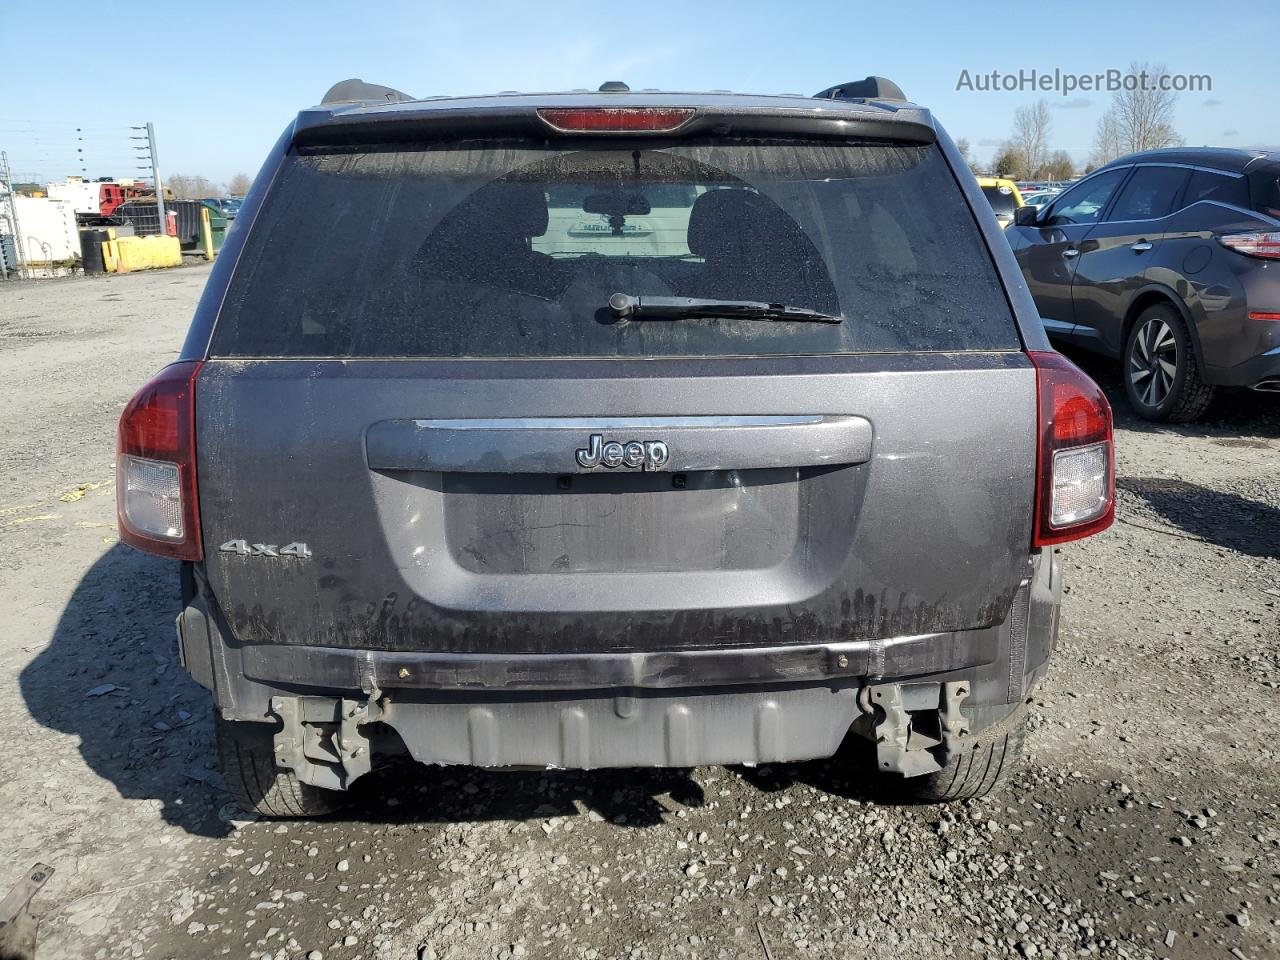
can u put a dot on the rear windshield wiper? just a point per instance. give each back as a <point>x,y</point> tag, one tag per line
<point>627,307</point>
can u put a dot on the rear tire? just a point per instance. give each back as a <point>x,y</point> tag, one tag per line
<point>986,762</point>
<point>1161,377</point>
<point>247,759</point>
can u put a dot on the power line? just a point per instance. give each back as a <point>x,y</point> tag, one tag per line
<point>52,150</point>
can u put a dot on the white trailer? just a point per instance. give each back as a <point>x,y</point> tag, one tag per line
<point>48,236</point>
<point>85,196</point>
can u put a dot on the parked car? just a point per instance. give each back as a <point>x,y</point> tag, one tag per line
<point>1165,260</point>
<point>785,464</point>
<point>1040,198</point>
<point>1003,196</point>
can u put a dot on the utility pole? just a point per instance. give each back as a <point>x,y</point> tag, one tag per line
<point>12,207</point>
<point>154,164</point>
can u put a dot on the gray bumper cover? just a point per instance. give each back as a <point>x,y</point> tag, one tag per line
<point>670,708</point>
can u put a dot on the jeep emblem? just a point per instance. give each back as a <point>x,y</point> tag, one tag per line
<point>649,455</point>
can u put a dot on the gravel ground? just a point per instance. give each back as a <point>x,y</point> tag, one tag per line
<point>1146,822</point>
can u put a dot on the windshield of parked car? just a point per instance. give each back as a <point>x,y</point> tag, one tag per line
<point>476,249</point>
<point>1001,200</point>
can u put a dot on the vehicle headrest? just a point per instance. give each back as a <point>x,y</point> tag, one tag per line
<point>722,219</point>
<point>521,207</point>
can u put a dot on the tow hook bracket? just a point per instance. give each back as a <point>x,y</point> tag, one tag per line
<point>320,739</point>
<point>917,726</point>
<point>955,725</point>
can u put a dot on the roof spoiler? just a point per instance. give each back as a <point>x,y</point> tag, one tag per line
<point>872,88</point>
<point>357,91</point>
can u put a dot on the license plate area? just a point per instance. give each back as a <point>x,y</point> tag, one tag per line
<point>621,523</point>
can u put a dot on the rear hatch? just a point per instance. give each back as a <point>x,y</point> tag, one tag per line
<point>416,374</point>
<point>1002,202</point>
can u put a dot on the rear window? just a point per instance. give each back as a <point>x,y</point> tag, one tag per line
<point>1206,185</point>
<point>512,249</point>
<point>1264,185</point>
<point>1001,200</point>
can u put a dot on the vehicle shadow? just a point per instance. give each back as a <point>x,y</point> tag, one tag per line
<point>111,677</point>
<point>1225,519</point>
<point>851,774</point>
<point>405,792</point>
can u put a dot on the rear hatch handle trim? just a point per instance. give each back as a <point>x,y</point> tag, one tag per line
<point>563,445</point>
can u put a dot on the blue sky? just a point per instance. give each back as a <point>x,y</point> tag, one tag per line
<point>263,60</point>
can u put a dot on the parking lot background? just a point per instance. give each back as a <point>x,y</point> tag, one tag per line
<point>1145,823</point>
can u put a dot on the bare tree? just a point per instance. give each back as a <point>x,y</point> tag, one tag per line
<point>966,154</point>
<point>191,187</point>
<point>1138,119</point>
<point>1108,142</point>
<point>1030,138</point>
<point>1059,166</point>
<point>239,185</point>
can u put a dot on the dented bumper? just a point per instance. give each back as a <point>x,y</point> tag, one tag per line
<point>671,708</point>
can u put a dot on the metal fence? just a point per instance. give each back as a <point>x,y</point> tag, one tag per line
<point>142,214</point>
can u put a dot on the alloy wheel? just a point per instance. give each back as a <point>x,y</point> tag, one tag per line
<point>1153,362</point>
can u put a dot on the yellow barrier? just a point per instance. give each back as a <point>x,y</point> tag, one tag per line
<point>141,253</point>
<point>206,232</point>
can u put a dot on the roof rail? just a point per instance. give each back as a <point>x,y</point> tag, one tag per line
<point>357,91</point>
<point>872,88</point>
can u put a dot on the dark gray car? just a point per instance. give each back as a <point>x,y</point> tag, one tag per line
<point>592,430</point>
<point>1166,260</point>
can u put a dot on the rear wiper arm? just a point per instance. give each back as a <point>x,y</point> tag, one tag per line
<point>627,307</point>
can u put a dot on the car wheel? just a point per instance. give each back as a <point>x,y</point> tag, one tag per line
<point>247,760</point>
<point>1160,373</point>
<point>984,763</point>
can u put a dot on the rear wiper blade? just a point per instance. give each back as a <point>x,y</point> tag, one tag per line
<point>627,307</point>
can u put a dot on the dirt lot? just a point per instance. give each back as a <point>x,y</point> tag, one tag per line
<point>1146,823</point>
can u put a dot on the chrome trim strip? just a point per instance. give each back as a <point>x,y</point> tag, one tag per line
<point>614,423</point>
<point>1189,166</point>
<point>563,445</point>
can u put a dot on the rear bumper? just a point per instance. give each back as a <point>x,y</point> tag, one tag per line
<point>641,729</point>
<point>335,668</point>
<point>1260,373</point>
<point>672,708</point>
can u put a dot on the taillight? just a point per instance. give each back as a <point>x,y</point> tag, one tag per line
<point>156,503</point>
<point>1264,245</point>
<point>616,119</point>
<point>1264,314</point>
<point>1075,473</point>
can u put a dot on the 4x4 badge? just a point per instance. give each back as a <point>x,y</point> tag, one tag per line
<point>649,455</point>
<point>246,549</point>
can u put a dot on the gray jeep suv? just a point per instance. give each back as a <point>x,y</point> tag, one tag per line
<point>615,429</point>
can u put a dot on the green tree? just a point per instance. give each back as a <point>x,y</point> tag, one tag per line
<point>1007,162</point>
